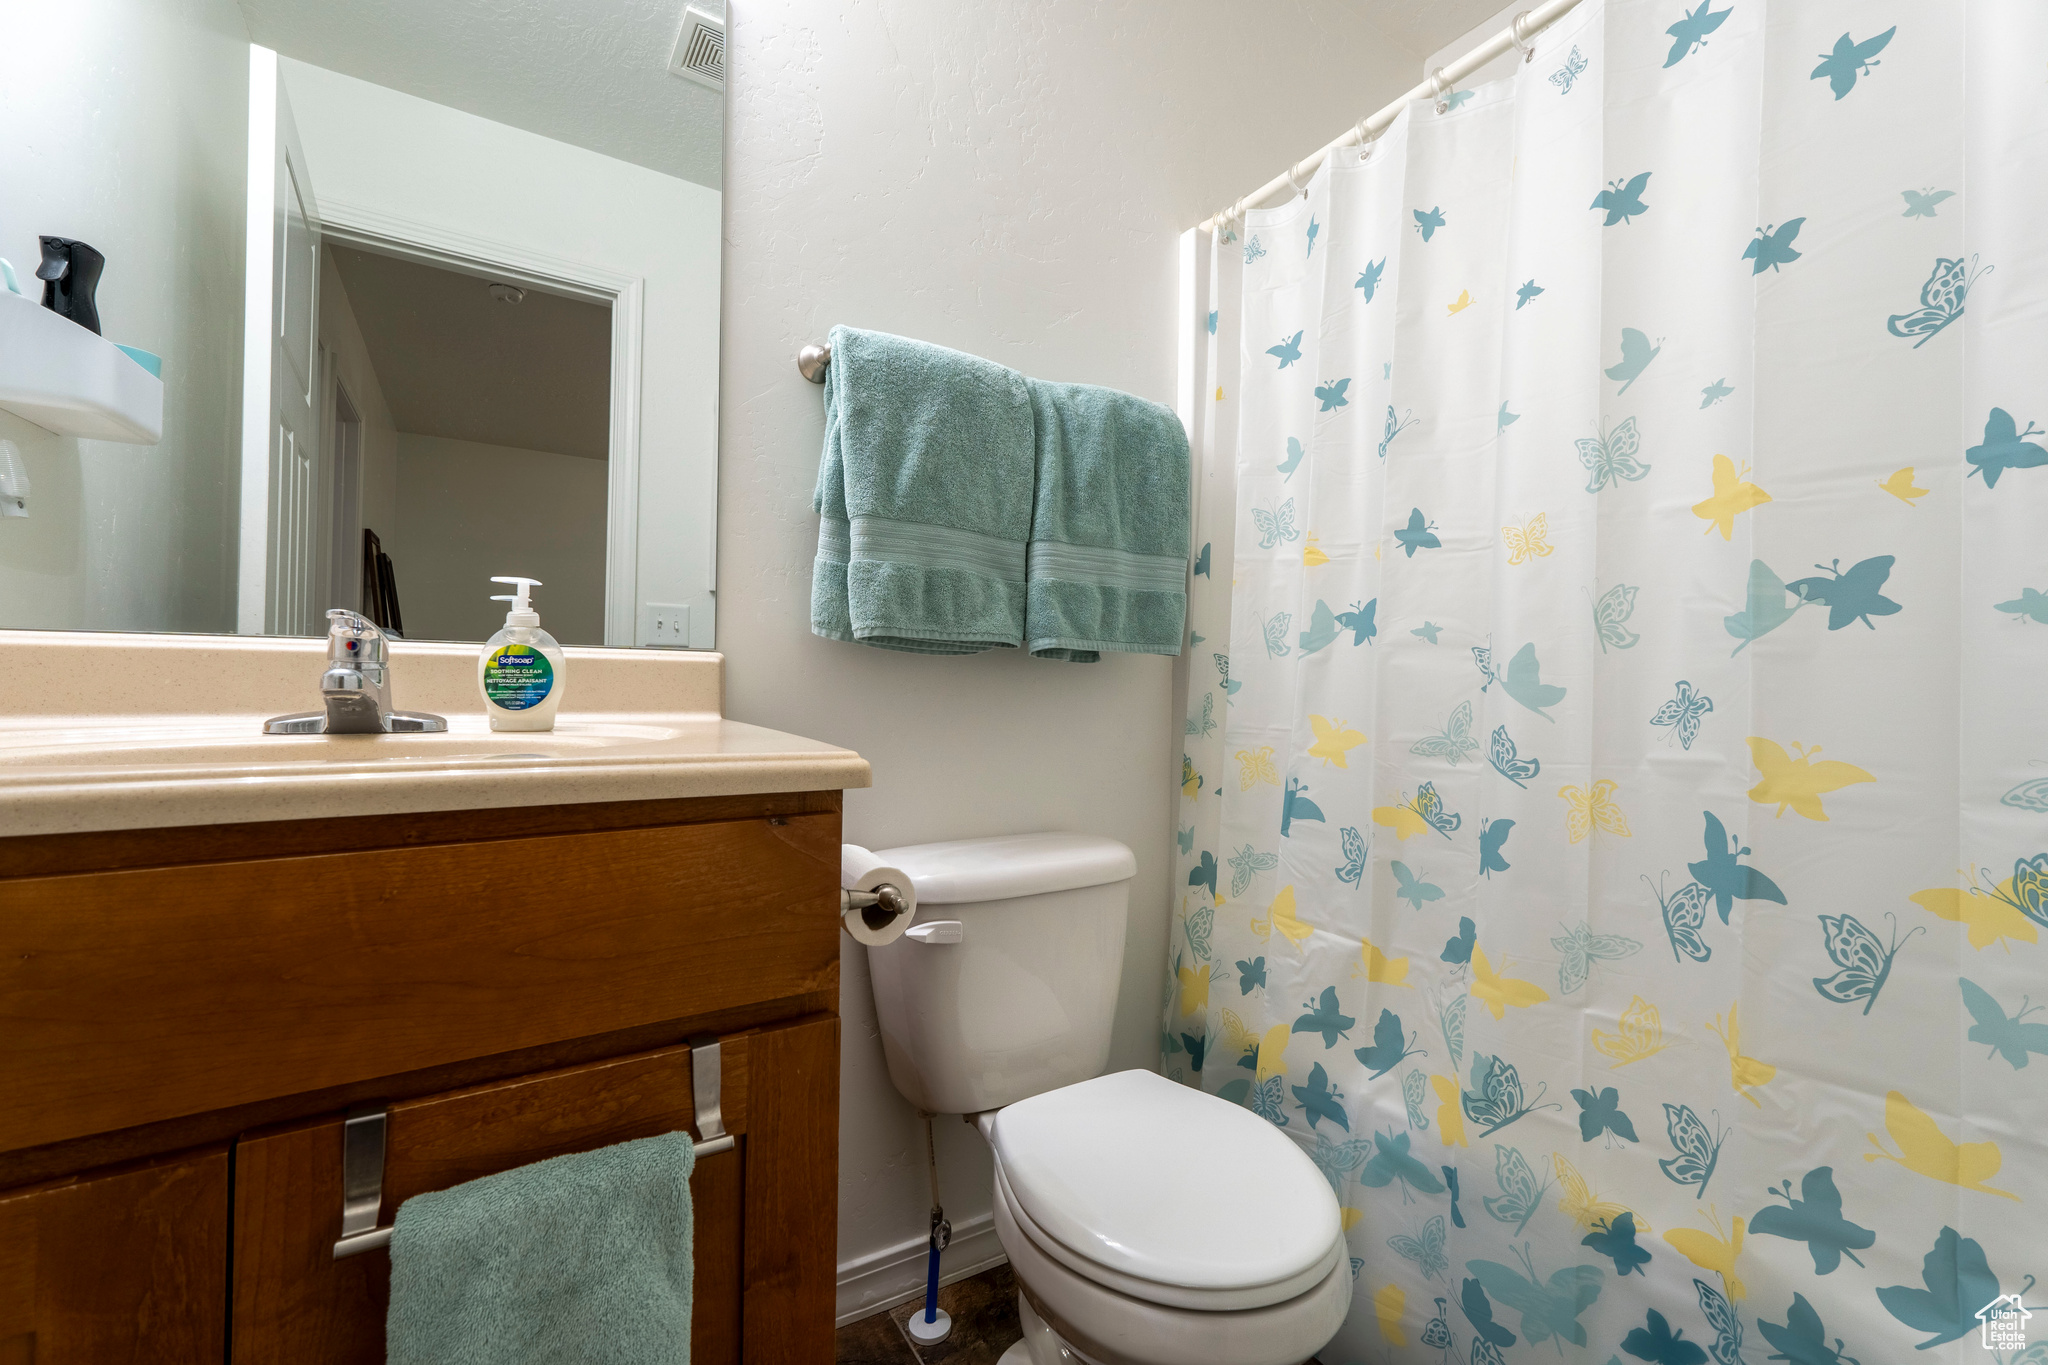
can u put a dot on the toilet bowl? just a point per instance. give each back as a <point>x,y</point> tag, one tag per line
<point>1106,1195</point>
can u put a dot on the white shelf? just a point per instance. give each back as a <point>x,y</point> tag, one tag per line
<point>60,376</point>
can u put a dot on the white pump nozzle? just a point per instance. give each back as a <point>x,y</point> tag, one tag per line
<point>520,611</point>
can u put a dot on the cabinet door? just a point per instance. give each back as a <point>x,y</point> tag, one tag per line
<point>124,1265</point>
<point>295,1303</point>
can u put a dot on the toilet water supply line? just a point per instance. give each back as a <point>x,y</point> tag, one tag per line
<point>942,1237</point>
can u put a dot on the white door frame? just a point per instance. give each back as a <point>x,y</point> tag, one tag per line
<point>350,224</point>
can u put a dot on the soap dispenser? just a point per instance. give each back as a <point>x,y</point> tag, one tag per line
<point>521,670</point>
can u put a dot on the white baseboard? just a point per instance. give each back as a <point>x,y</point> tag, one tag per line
<point>882,1279</point>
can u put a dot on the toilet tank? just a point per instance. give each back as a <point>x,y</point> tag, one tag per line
<point>1023,1002</point>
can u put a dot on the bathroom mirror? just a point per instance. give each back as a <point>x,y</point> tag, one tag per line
<point>360,306</point>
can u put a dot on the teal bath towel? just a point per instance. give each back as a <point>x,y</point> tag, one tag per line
<point>923,499</point>
<point>578,1260</point>
<point>1108,561</point>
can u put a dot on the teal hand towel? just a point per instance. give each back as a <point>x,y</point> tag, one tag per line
<point>923,499</point>
<point>1108,561</point>
<point>578,1260</point>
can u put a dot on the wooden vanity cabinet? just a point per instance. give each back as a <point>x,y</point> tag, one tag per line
<point>190,1014</point>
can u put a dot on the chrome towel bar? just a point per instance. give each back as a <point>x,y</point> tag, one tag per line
<point>362,1151</point>
<point>812,360</point>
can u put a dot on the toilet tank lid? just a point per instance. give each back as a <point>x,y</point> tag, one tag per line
<point>1009,866</point>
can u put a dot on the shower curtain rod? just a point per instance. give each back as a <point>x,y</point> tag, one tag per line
<point>1515,37</point>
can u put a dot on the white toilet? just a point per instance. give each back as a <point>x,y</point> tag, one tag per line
<point>1147,1223</point>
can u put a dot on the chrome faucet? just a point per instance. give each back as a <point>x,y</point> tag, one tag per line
<point>356,687</point>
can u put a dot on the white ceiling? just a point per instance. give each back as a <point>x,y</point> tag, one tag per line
<point>455,362</point>
<point>592,73</point>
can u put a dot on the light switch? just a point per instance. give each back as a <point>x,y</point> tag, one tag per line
<point>664,625</point>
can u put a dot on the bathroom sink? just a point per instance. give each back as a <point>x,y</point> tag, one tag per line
<point>157,743</point>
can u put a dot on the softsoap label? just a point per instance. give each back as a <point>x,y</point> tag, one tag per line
<point>518,677</point>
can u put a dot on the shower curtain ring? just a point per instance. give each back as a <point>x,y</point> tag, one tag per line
<point>1521,44</point>
<point>1293,184</point>
<point>1366,141</point>
<point>1440,87</point>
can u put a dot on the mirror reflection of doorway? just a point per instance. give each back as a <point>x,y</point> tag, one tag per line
<point>469,437</point>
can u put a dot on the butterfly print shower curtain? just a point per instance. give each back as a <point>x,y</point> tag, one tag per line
<point>1619,692</point>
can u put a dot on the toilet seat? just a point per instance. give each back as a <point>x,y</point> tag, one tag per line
<point>1107,1179</point>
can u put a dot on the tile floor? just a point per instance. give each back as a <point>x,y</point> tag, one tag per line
<point>984,1310</point>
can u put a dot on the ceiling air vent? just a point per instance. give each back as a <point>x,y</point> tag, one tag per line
<point>700,49</point>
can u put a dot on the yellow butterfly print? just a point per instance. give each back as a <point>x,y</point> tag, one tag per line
<point>1190,780</point>
<point>1280,915</point>
<point>1712,1252</point>
<point>1450,1115</point>
<point>1798,782</point>
<point>1640,1035</point>
<point>1255,766</point>
<point>1497,992</point>
<point>1194,989</point>
<point>1925,1150</point>
<point>1900,486</point>
<point>1376,548</point>
<point>1333,740</point>
<point>1347,1218</point>
<point>1312,556</point>
<point>1744,1073</point>
<point>1402,819</point>
<point>1387,1306</point>
<point>1732,497</point>
<point>1588,807</point>
<point>1464,301</point>
<point>1219,393</point>
<point>1992,917</point>
<point>1583,1206</point>
<point>1527,542</point>
<point>1375,965</point>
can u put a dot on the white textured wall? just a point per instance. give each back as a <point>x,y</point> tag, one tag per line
<point>122,124</point>
<point>1010,178</point>
<point>347,358</point>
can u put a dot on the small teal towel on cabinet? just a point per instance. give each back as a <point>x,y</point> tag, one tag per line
<point>923,499</point>
<point>579,1260</point>
<point>1108,561</point>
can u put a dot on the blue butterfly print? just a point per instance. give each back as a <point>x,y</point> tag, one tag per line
<point>1610,616</point>
<point>1418,534</point>
<point>1414,1090</point>
<point>1941,301</point>
<point>1865,962</point>
<point>1574,66</point>
<point>1548,1309</point>
<point>1275,628</point>
<point>1392,1162</point>
<point>1198,1048</point>
<point>1395,427</point>
<point>1230,686</point>
<point>1295,451</point>
<point>1505,419</point>
<point>1956,1275</point>
<point>1356,851</point>
<point>1492,835</point>
<point>1636,355</point>
<point>1289,350</point>
<point>1520,1196</point>
<point>1451,1184</point>
<point>1359,622</point>
<point>2030,605</point>
<point>1252,249</point>
<point>1684,911</point>
<point>1322,628</point>
<point>1369,278</point>
<point>1689,34</point>
<point>1212,332</point>
<point>1581,948</point>
<point>1683,713</point>
<point>1458,950</point>
<point>1456,98</point>
<point>1428,629</point>
<point>1454,742</point>
<point>1185,839</point>
<point>1622,202</point>
<point>1921,203</point>
<point>1803,1338</point>
<point>1246,864</point>
<point>1501,753</point>
<point>1851,596</point>
<point>1525,293</point>
<point>1657,1343</point>
<point>1773,246</point>
<point>1251,975</point>
<point>1815,1219</point>
<point>1331,395</point>
<point>1294,806</point>
<point>1601,1113</point>
<point>1699,1150</point>
<point>1428,223</point>
<point>1430,807</point>
<point>1275,526</point>
<point>1612,456</point>
<point>1479,1312</point>
<point>1495,1099</point>
<point>1427,1250</point>
<point>1616,1240</point>
<point>1721,874</point>
<point>1202,561</point>
<point>1523,680</point>
<point>1204,873</point>
<point>1321,1100</point>
<point>1413,889</point>
<point>1390,1046</point>
<point>1850,59</point>
<point>2005,447</point>
<point>1265,1099</point>
<point>2009,1037</point>
<point>1325,1018</point>
<point>1313,228</point>
<point>1714,393</point>
<point>1726,1322</point>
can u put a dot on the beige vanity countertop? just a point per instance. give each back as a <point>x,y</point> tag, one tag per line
<point>112,731</point>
